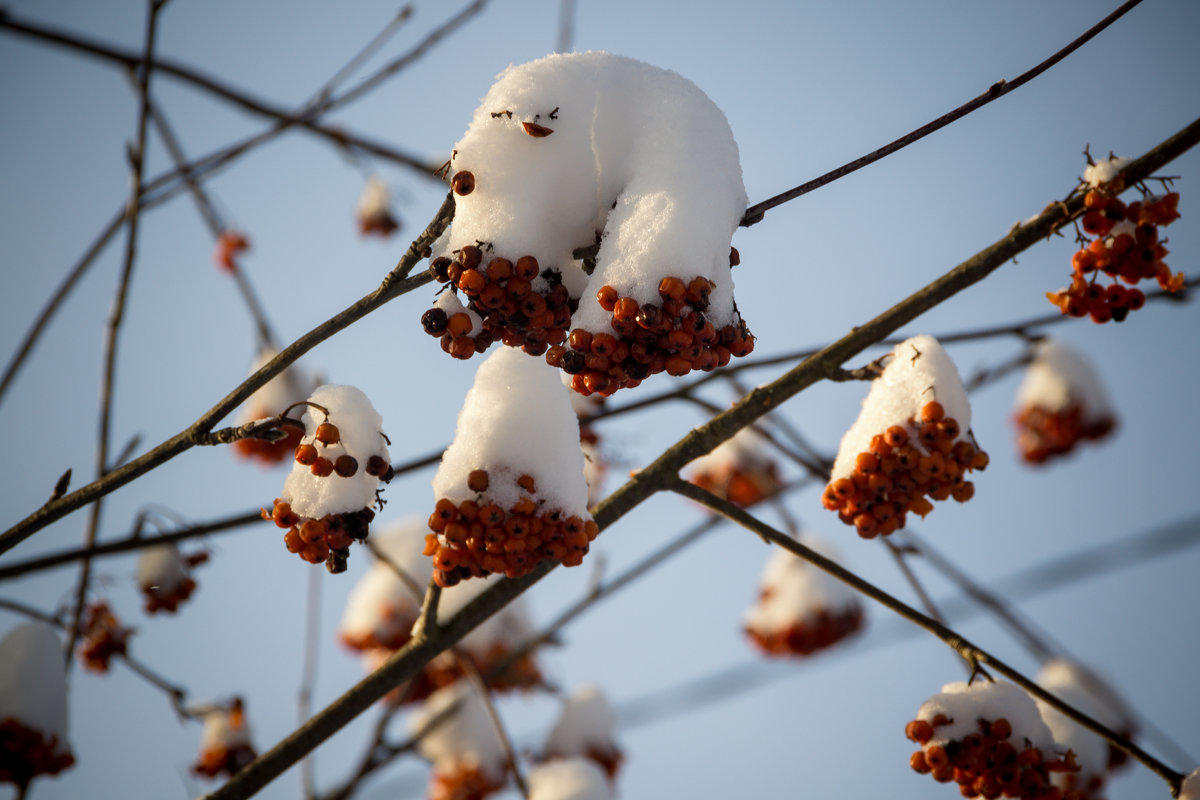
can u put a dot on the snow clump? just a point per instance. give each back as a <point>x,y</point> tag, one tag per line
<point>584,729</point>
<point>465,750</point>
<point>738,470</point>
<point>1060,403</point>
<point>569,779</point>
<point>225,745</point>
<point>381,608</point>
<point>1104,171</point>
<point>164,577</point>
<point>33,705</point>
<point>374,210</point>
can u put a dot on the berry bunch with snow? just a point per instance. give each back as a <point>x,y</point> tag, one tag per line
<point>595,463</point>
<point>33,705</point>
<point>1127,246</point>
<point>739,470</point>
<point>1084,691</point>
<point>466,752</point>
<point>510,489</point>
<point>598,153</point>
<point>374,210</point>
<point>569,779</point>
<point>225,746</point>
<point>103,637</point>
<point>327,500</point>
<point>382,607</point>
<point>1060,403</point>
<point>270,400</point>
<point>989,739</point>
<point>911,443</point>
<point>584,729</point>
<point>800,608</point>
<point>164,576</point>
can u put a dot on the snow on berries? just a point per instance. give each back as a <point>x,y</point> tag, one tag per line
<point>374,210</point>
<point>269,400</point>
<point>592,151</point>
<point>164,576</point>
<point>1082,690</point>
<point>225,745</point>
<point>569,779</point>
<point>738,470</point>
<point>911,443</point>
<point>33,705</point>
<point>584,729</point>
<point>465,749</point>
<point>1060,403</point>
<point>381,609</point>
<point>328,498</point>
<point>989,739</point>
<point>103,637</point>
<point>1125,245</point>
<point>801,609</point>
<point>510,489</point>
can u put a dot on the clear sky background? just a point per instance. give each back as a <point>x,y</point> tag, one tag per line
<point>806,87</point>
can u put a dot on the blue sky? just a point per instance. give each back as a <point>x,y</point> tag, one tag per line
<point>806,87</point>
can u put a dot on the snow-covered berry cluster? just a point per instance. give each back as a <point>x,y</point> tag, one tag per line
<point>801,609</point>
<point>738,470</point>
<point>327,500</point>
<point>569,779</point>
<point>1127,247</point>
<point>225,746</point>
<point>466,752</point>
<point>581,152</point>
<point>910,444</point>
<point>584,730</point>
<point>1060,403</point>
<point>1084,691</point>
<point>989,739</point>
<point>33,705</point>
<point>510,489</point>
<point>103,637</point>
<point>374,211</point>
<point>230,244</point>
<point>164,576</point>
<point>382,608</point>
<point>516,302</point>
<point>269,400</point>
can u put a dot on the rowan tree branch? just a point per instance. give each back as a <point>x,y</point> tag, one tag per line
<point>756,212</point>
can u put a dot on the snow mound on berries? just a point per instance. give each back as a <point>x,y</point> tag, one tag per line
<point>1191,786</point>
<point>516,419</point>
<point>1104,171</point>
<point>361,428</point>
<point>33,681</point>
<point>381,600</point>
<point>374,200</point>
<point>224,730</point>
<point>919,371</point>
<point>966,704</point>
<point>465,737</point>
<point>161,569</point>
<point>1060,377</point>
<point>1082,690</point>
<point>798,589</point>
<point>569,779</point>
<point>635,151</point>
<point>585,723</point>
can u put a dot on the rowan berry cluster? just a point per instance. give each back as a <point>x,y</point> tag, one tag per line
<point>164,577</point>
<point>738,470</point>
<point>225,747</point>
<point>103,637</point>
<point>905,468</point>
<point>819,629</point>
<point>26,753</point>
<point>464,782</point>
<point>478,537</point>
<point>987,762</point>
<point>519,303</point>
<point>1127,247</point>
<point>374,211</point>
<point>326,540</point>
<point>584,729</point>
<point>674,336</point>
<point>230,244</point>
<point>1043,433</point>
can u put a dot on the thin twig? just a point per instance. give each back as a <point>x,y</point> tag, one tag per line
<point>358,59</point>
<point>133,207</point>
<point>755,213</point>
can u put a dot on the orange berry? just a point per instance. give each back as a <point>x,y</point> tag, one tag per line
<point>672,288</point>
<point>306,454</point>
<point>607,297</point>
<point>526,482</point>
<point>527,268</point>
<point>625,309</point>
<point>459,324</point>
<point>477,480</point>
<point>932,411</point>
<point>345,465</point>
<point>463,183</point>
<point>322,467</point>
<point>327,433</point>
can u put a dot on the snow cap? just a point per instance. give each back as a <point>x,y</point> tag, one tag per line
<point>466,737</point>
<point>569,779</point>
<point>795,590</point>
<point>516,419</point>
<point>380,607</point>
<point>160,569</point>
<point>1079,688</point>
<point>919,371</point>
<point>585,723</point>
<point>966,704</point>
<point>361,429</point>
<point>1104,171</point>
<point>1060,377</point>
<point>33,681</point>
